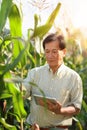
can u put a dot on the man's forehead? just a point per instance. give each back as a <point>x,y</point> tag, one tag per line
<point>52,46</point>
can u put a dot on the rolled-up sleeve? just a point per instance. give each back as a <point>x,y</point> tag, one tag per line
<point>77,93</point>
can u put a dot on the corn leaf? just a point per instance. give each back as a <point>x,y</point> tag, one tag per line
<point>42,30</point>
<point>84,105</point>
<point>16,31</point>
<point>11,66</point>
<point>6,125</point>
<point>15,21</point>
<point>5,95</point>
<point>4,11</point>
<point>17,99</point>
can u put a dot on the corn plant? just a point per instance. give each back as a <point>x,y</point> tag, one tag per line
<point>16,57</point>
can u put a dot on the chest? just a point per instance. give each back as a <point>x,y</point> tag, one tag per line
<point>55,86</point>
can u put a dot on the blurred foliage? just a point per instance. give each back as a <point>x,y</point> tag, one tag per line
<point>77,61</point>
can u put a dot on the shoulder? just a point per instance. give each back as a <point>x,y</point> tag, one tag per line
<point>39,69</point>
<point>72,72</point>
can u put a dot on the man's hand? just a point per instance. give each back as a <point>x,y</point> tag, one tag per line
<point>57,108</point>
<point>35,127</point>
<point>54,107</point>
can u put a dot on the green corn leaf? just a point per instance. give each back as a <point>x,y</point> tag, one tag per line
<point>16,31</point>
<point>17,102</point>
<point>42,30</point>
<point>15,21</point>
<point>2,68</point>
<point>17,99</point>
<point>84,105</point>
<point>6,125</point>
<point>15,62</point>
<point>54,14</point>
<point>5,95</point>
<point>79,125</point>
<point>31,58</point>
<point>2,85</point>
<point>36,20</point>
<point>4,11</point>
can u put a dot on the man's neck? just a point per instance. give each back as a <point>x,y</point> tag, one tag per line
<point>55,68</point>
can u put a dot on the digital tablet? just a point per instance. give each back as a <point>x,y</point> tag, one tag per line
<point>42,100</point>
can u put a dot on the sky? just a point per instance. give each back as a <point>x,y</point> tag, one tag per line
<point>76,11</point>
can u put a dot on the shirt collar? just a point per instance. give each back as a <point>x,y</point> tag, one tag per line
<point>58,70</point>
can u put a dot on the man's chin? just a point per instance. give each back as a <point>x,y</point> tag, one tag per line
<point>52,65</point>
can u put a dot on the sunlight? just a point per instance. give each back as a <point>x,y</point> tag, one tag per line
<point>76,9</point>
<point>72,13</point>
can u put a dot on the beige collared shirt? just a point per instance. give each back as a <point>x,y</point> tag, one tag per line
<point>65,85</point>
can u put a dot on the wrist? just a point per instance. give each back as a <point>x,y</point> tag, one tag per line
<point>62,110</point>
<point>69,111</point>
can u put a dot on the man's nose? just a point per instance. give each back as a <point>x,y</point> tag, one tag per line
<point>50,54</point>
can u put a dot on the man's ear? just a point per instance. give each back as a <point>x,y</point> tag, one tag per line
<point>64,52</point>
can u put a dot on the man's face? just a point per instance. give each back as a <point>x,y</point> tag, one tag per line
<point>54,55</point>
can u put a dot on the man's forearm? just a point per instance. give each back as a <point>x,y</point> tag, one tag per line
<point>69,111</point>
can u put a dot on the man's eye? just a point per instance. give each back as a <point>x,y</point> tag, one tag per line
<point>54,52</point>
<point>47,52</point>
